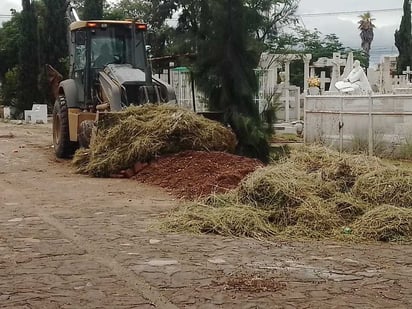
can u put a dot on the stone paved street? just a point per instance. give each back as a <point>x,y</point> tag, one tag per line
<point>70,241</point>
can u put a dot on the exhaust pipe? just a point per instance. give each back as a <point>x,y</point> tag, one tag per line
<point>74,13</point>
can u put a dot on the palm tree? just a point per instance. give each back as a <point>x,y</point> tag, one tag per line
<point>366,27</point>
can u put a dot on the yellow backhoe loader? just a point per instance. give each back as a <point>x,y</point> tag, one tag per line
<point>109,71</point>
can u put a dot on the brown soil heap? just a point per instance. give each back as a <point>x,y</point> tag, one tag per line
<point>193,174</point>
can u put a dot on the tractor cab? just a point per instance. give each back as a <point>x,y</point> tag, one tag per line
<point>97,44</point>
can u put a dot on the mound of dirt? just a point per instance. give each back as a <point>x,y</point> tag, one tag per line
<point>193,174</point>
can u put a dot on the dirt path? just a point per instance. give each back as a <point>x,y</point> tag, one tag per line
<point>69,241</point>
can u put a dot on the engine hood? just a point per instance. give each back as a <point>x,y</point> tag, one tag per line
<point>125,74</point>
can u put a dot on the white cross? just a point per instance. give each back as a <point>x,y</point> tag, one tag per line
<point>408,72</point>
<point>323,80</point>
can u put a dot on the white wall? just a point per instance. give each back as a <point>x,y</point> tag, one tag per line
<point>377,119</point>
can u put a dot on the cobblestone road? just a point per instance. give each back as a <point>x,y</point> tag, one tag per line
<point>69,241</point>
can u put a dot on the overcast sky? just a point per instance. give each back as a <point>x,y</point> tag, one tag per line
<point>344,25</point>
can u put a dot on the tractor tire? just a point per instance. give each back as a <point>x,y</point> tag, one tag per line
<point>63,147</point>
<point>85,133</point>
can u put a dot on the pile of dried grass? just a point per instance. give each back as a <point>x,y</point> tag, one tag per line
<point>385,223</point>
<point>349,207</point>
<point>318,215</point>
<point>222,199</point>
<point>341,168</point>
<point>313,158</point>
<point>302,198</point>
<point>141,133</point>
<point>386,186</point>
<point>239,220</point>
<point>280,186</point>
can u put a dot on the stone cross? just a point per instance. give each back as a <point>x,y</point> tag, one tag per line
<point>323,80</point>
<point>408,72</point>
<point>336,62</point>
<point>386,80</point>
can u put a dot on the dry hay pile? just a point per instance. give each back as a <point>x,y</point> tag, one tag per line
<point>349,207</point>
<point>385,223</point>
<point>319,158</point>
<point>341,168</point>
<point>318,215</point>
<point>386,186</point>
<point>140,133</point>
<point>277,185</point>
<point>231,220</point>
<point>303,197</point>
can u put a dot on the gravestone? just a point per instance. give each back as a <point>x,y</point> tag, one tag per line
<point>269,66</point>
<point>323,80</point>
<point>335,63</point>
<point>386,81</point>
<point>408,73</point>
<point>38,114</point>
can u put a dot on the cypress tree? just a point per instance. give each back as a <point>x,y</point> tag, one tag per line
<point>53,29</point>
<point>55,46</point>
<point>28,70</point>
<point>403,39</point>
<point>224,69</point>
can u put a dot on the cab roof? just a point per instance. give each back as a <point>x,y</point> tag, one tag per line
<point>86,23</point>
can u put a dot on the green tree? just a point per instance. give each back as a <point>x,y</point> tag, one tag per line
<point>264,18</point>
<point>272,15</point>
<point>128,9</point>
<point>93,9</point>
<point>187,30</point>
<point>9,87</point>
<point>28,69</point>
<point>154,13</point>
<point>403,39</point>
<point>55,48</point>
<point>53,34</point>
<point>226,75</point>
<point>9,46</point>
<point>366,27</point>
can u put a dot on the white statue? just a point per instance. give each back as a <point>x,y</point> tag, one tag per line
<point>335,74</point>
<point>348,66</point>
<point>356,82</point>
<point>282,76</point>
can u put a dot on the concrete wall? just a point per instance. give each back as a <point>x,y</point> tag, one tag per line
<point>377,123</point>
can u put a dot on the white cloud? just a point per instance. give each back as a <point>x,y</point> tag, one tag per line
<point>345,25</point>
<point>5,6</point>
